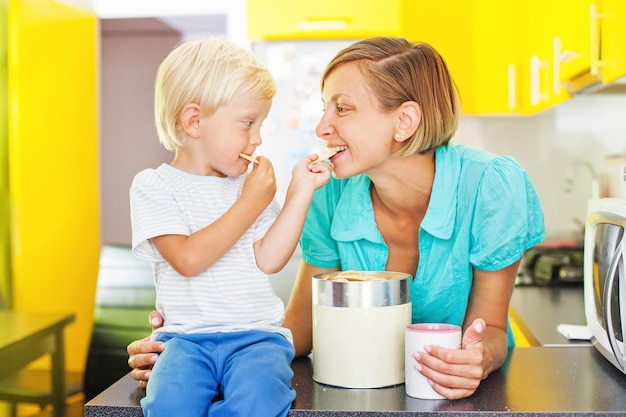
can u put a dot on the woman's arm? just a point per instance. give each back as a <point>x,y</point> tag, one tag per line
<point>457,373</point>
<point>298,315</point>
<point>489,300</point>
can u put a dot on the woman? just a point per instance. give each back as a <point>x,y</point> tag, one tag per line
<point>404,199</point>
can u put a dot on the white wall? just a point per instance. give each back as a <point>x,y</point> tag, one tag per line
<point>589,128</point>
<point>174,12</point>
<point>128,139</point>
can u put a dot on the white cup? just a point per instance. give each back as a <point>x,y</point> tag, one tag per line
<point>416,336</point>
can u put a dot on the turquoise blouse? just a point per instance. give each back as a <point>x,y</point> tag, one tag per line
<point>483,214</point>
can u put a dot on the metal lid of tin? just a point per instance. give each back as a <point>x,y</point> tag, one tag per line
<point>362,289</point>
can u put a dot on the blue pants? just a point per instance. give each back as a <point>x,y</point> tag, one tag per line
<point>245,373</point>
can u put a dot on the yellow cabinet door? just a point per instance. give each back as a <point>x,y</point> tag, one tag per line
<point>495,84</point>
<point>553,48</point>
<point>481,42</point>
<point>53,163</point>
<point>534,66</point>
<point>501,54</point>
<point>610,18</point>
<point>571,36</point>
<point>5,271</point>
<point>542,61</point>
<point>322,19</point>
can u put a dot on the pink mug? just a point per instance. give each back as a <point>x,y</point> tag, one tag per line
<point>416,336</point>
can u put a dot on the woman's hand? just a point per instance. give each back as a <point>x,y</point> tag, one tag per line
<point>143,353</point>
<point>455,373</point>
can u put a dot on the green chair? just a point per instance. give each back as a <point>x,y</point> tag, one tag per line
<point>34,386</point>
<point>124,297</point>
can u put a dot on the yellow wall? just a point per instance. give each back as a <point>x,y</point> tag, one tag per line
<point>4,179</point>
<point>53,163</point>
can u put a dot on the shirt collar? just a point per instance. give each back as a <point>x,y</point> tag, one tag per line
<point>441,213</point>
<point>354,215</point>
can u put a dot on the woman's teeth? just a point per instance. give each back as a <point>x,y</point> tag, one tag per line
<point>337,149</point>
<point>332,151</point>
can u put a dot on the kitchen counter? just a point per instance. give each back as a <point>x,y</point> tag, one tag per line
<point>534,381</point>
<point>538,310</point>
<point>557,378</point>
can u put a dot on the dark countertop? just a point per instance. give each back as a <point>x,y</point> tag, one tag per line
<point>557,378</point>
<point>536,381</point>
<point>538,310</point>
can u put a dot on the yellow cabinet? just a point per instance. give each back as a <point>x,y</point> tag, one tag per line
<point>322,19</point>
<point>480,43</point>
<point>608,19</point>
<point>5,236</point>
<point>52,65</point>
<point>507,57</point>
<point>571,33</point>
<point>554,49</point>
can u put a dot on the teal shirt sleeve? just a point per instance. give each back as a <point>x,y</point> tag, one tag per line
<point>508,218</point>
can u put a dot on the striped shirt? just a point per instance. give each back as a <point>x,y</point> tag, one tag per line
<point>233,294</point>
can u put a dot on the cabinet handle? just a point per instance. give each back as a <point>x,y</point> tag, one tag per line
<point>594,50</point>
<point>556,64</point>
<point>535,83</point>
<point>327,24</point>
<point>559,56</point>
<point>512,87</point>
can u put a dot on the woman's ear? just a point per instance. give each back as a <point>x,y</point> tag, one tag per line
<point>190,120</point>
<point>410,117</point>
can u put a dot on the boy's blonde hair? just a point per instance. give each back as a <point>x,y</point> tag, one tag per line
<point>397,71</point>
<point>209,73</point>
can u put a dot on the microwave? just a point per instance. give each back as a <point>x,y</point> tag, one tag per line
<point>604,279</point>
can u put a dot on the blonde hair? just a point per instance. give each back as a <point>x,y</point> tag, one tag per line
<point>397,71</point>
<point>207,72</point>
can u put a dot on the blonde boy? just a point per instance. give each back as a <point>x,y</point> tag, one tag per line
<point>210,225</point>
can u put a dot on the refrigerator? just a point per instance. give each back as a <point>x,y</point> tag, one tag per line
<point>289,130</point>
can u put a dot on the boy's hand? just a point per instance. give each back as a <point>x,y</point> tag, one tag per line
<point>260,186</point>
<point>309,174</point>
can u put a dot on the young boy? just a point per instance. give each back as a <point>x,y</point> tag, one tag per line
<point>213,231</point>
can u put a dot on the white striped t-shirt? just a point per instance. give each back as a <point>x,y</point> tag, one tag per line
<point>232,294</point>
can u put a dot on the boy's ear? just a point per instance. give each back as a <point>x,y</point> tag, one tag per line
<point>190,119</point>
